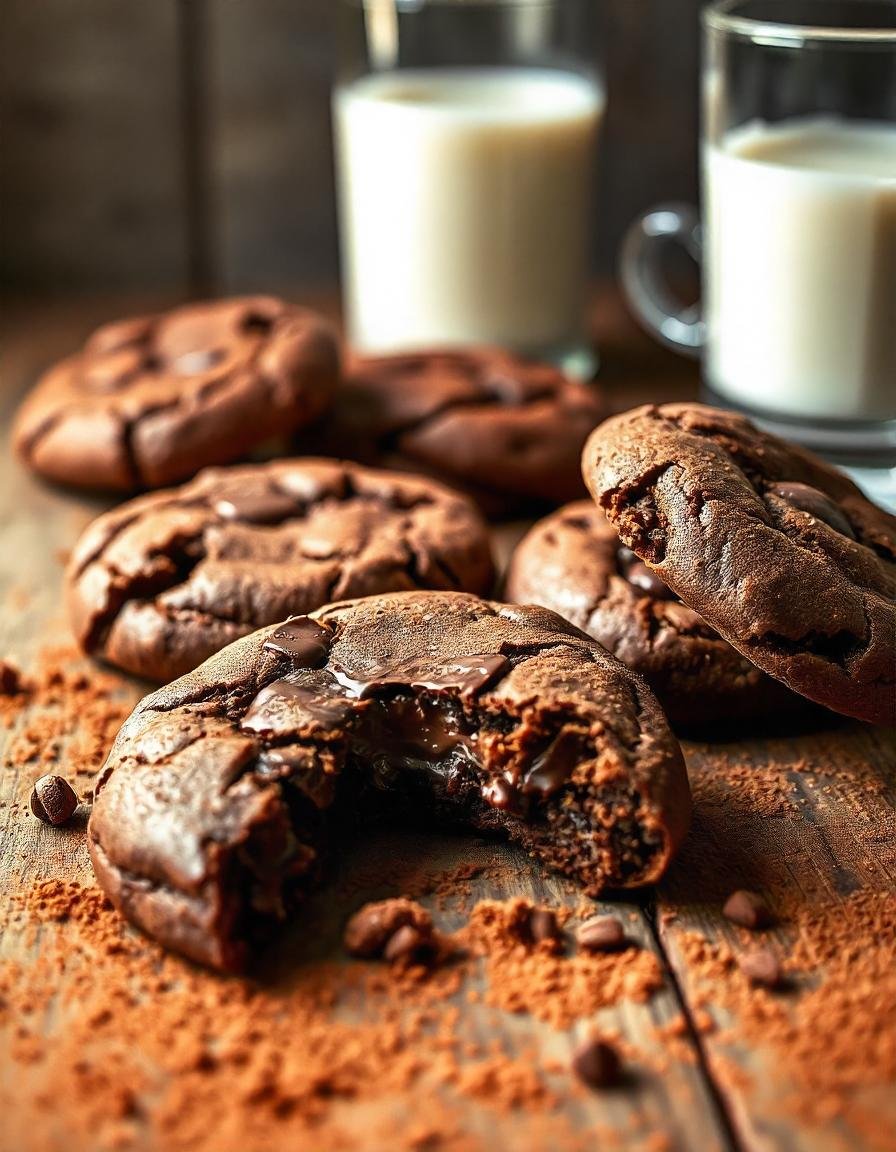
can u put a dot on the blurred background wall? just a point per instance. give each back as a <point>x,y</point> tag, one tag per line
<point>184,145</point>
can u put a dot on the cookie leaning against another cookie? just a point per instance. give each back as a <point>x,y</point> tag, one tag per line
<point>152,400</point>
<point>573,563</point>
<point>779,552</point>
<point>219,798</point>
<point>508,431</point>
<point>162,582</point>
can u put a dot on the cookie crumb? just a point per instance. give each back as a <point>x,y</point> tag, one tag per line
<point>762,966</point>
<point>747,909</point>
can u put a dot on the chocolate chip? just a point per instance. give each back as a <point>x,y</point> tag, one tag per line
<point>601,934</point>
<point>543,925</point>
<point>597,1063</point>
<point>10,679</point>
<point>748,909</point>
<point>407,945</point>
<point>374,925</point>
<point>53,800</point>
<point>762,966</point>
<point>814,503</point>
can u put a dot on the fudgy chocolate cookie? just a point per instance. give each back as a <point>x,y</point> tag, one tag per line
<point>779,552</point>
<point>508,431</point>
<point>224,790</point>
<point>150,401</point>
<point>159,584</point>
<point>574,563</point>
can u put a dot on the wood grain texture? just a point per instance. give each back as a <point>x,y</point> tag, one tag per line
<point>807,818</point>
<point>92,177</point>
<point>187,142</point>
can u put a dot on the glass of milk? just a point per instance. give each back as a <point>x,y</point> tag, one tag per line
<point>798,242</point>
<point>465,140</point>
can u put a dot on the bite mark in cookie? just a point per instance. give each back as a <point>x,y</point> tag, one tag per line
<point>225,791</point>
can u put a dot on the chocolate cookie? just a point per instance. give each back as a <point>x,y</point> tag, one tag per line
<point>224,790</point>
<point>508,431</point>
<point>780,553</point>
<point>160,583</point>
<point>573,563</point>
<point>150,401</point>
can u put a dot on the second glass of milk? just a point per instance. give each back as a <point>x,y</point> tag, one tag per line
<point>465,143</point>
<point>798,238</point>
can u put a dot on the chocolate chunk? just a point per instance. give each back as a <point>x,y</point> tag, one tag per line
<point>553,768</point>
<point>597,1063</point>
<point>374,925</point>
<point>748,909</point>
<point>261,508</point>
<point>53,800</point>
<point>305,641</point>
<point>543,925</point>
<point>409,945</point>
<point>762,966</point>
<point>814,503</point>
<point>601,934</point>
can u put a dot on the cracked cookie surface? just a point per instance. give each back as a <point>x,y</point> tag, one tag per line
<point>162,582</point>
<point>225,791</point>
<point>780,553</point>
<point>574,563</point>
<point>151,400</point>
<point>508,431</point>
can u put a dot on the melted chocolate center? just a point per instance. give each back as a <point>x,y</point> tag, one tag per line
<point>814,503</point>
<point>398,727</point>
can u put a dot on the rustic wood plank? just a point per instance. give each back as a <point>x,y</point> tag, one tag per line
<point>92,179</point>
<point>269,67</point>
<point>666,1104</point>
<point>809,821</point>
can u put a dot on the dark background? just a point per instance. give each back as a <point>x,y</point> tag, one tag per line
<point>184,145</point>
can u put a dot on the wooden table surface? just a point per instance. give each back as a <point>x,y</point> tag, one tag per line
<point>807,818</point>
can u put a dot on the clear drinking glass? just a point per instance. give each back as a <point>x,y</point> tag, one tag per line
<point>798,244</point>
<point>465,135</point>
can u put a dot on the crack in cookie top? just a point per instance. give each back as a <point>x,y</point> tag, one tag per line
<point>150,400</point>
<point>158,584</point>
<point>510,430</point>
<point>781,553</point>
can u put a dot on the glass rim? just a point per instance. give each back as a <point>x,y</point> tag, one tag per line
<point>417,5</point>
<point>721,16</point>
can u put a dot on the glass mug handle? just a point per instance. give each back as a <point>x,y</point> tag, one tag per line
<point>644,284</point>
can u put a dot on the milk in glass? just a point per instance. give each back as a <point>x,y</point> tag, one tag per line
<point>801,268</point>
<point>464,202</point>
